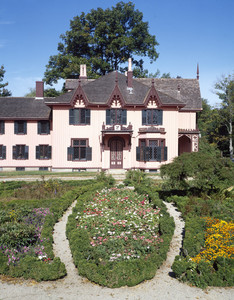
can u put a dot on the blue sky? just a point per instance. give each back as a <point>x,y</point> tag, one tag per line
<point>188,32</point>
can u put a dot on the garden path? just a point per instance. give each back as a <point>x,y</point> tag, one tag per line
<point>161,287</point>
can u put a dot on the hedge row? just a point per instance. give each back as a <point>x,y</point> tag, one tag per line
<point>116,274</point>
<point>217,272</point>
<point>32,267</point>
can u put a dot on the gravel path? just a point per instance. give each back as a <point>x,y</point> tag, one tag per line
<point>162,286</point>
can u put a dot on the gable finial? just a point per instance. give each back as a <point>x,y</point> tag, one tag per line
<point>197,71</point>
<point>152,82</point>
<point>116,76</point>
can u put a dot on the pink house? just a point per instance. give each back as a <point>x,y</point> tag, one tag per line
<point>113,122</point>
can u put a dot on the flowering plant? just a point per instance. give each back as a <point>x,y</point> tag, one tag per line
<point>24,238</point>
<point>121,225</point>
<point>219,241</point>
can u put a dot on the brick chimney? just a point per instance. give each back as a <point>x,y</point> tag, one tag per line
<point>129,73</point>
<point>39,89</point>
<point>83,73</point>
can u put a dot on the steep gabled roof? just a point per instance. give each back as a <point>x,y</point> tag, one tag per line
<point>23,108</point>
<point>189,90</point>
<point>184,93</point>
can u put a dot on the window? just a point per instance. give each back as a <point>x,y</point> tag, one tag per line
<point>43,127</point>
<point>151,150</point>
<point>79,116</point>
<point>20,152</point>
<point>116,116</point>
<point>79,150</point>
<point>2,127</point>
<point>20,127</point>
<point>43,152</point>
<point>2,152</point>
<point>43,169</point>
<point>152,117</point>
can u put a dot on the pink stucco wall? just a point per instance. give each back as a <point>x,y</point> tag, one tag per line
<point>62,133</point>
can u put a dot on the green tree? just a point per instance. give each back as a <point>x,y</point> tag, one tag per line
<point>3,92</point>
<point>225,90</point>
<point>103,40</point>
<point>47,93</point>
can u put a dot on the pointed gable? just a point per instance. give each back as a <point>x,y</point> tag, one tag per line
<point>79,98</point>
<point>152,99</point>
<point>116,99</point>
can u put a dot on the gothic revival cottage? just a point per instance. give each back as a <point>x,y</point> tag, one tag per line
<point>113,122</point>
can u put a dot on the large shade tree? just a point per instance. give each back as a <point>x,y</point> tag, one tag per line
<point>3,91</point>
<point>103,40</point>
<point>225,90</point>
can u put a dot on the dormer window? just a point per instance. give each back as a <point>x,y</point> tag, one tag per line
<point>116,116</point>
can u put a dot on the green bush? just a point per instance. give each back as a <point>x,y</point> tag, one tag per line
<point>194,211</point>
<point>13,232</point>
<point>201,171</point>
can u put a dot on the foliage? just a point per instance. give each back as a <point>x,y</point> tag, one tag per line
<point>216,123</point>
<point>134,177</point>
<point>225,90</point>
<point>203,171</point>
<point>108,180</point>
<point>3,91</point>
<point>103,40</point>
<point>218,241</point>
<point>127,260</point>
<point>47,93</point>
<point>203,240</point>
<point>26,241</point>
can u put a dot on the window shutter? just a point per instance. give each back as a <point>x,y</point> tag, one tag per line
<point>16,127</point>
<point>159,154</point>
<point>3,152</point>
<point>124,117</point>
<point>165,153</point>
<point>2,127</point>
<point>108,117</point>
<point>87,116</point>
<point>14,154</point>
<point>47,127</point>
<point>71,117</point>
<point>49,152</point>
<point>143,117</point>
<point>138,153</point>
<point>160,117</point>
<point>37,152</point>
<point>70,152</point>
<point>26,152</point>
<point>88,153</point>
<point>146,153</point>
<point>25,127</point>
<point>39,127</point>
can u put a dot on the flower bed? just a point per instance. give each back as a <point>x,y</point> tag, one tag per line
<point>218,241</point>
<point>19,239</point>
<point>26,228</point>
<point>207,254</point>
<point>121,225</point>
<point>115,237</point>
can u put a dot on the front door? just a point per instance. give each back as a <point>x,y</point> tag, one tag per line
<point>116,154</point>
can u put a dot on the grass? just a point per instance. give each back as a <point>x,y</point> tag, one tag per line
<point>46,173</point>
